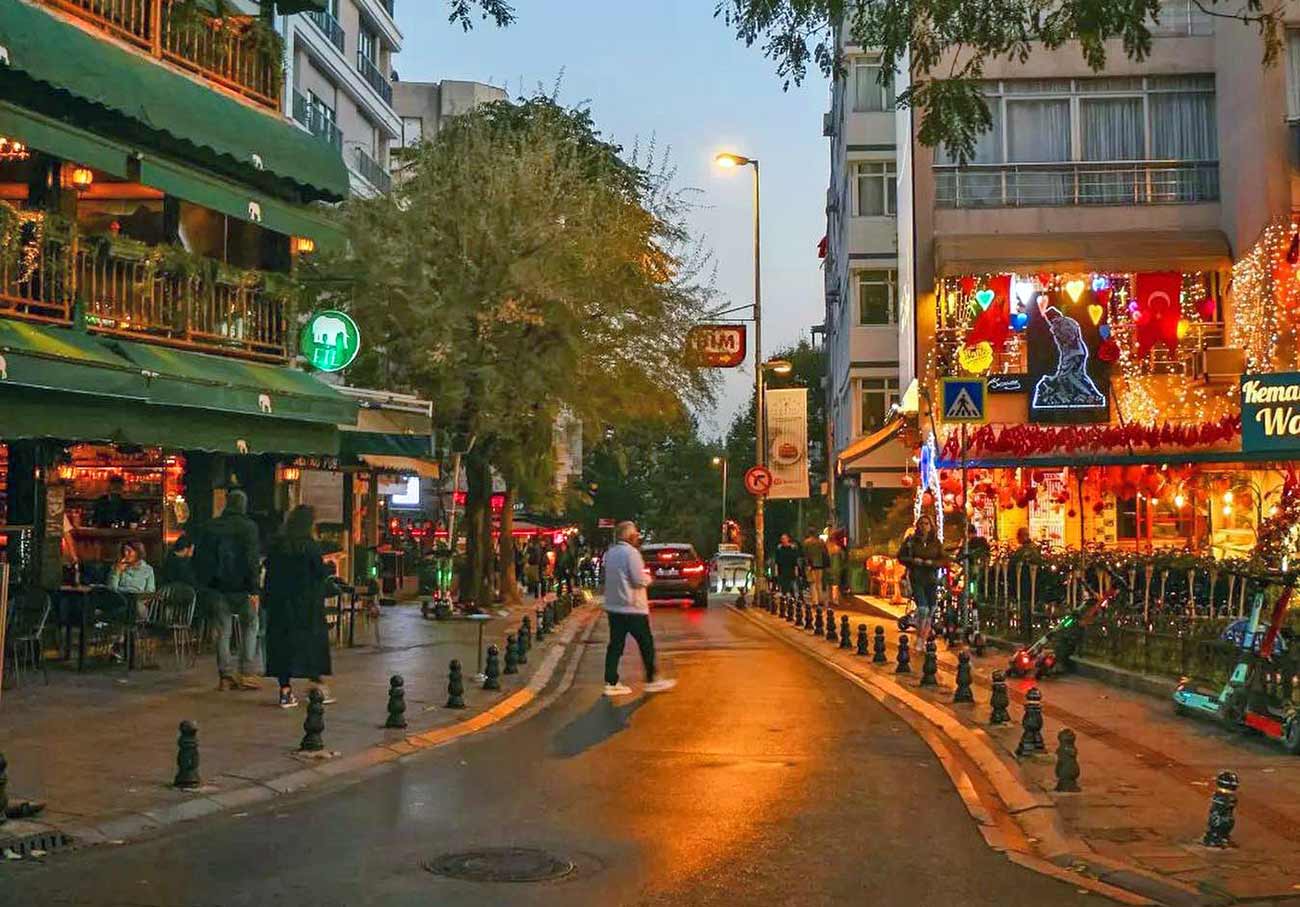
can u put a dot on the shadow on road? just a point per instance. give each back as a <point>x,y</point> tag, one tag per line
<point>596,725</point>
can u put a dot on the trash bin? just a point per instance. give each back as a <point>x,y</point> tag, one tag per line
<point>859,579</point>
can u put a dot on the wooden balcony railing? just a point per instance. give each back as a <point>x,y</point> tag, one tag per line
<point>236,52</point>
<point>34,285</point>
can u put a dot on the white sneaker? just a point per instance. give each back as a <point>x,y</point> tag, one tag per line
<point>617,689</point>
<point>663,685</point>
<point>329,697</point>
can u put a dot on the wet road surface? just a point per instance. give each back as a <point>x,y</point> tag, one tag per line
<point>763,779</point>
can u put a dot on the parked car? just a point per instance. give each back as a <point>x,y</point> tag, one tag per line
<point>679,574</point>
<point>731,570</point>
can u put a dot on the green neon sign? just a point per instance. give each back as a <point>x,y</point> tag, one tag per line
<point>330,340</point>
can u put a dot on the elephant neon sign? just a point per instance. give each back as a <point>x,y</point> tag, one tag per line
<point>330,340</point>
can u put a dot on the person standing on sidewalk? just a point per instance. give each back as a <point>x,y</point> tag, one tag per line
<point>817,560</point>
<point>229,561</point>
<point>836,558</point>
<point>297,637</point>
<point>922,554</point>
<point>628,608</point>
<point>786,560</point>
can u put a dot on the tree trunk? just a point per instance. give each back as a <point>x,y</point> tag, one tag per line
<point>509,580</point>
<point>475,588</point>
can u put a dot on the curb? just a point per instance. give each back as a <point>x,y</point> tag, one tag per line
<point>1047,846</point>
<point>362,764</point>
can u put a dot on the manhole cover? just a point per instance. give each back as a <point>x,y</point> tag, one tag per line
<point>501,864</point>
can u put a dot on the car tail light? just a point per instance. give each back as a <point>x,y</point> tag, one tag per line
<point>667,555</point>
<point>693,569</point>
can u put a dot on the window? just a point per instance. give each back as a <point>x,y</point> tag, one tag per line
<point>366,44</point>
<point>869,96</point>
<point>878,396</point>
<point>877,184</point>
<point>1293,72</point>
<point>321,111</point>
<point>877,297</point>
<point>412,131</point>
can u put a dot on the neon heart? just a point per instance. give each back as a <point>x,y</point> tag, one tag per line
<point>1099,283</point>
<point>1074,289</point>
<point>1095,312</point>
<point>1104,331</point>
<point>1020,321</point>
<point>984,298</point>
<point>976,359</point>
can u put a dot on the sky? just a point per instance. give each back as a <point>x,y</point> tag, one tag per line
<point>667,70</point>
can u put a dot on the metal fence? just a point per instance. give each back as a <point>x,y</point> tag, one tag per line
<point>1075,183</point>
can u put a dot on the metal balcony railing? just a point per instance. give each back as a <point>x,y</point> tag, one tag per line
<point>370,72</point>
<point>227,52</point>
<point>317,123</point>
<point>1075,183</point>
<point>329,27</point>
<point>373,172</point>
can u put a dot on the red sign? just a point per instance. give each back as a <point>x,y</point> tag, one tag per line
<point>758,481</point>
<point>716,345</point>
<point>604,523</point>
<point>497,501</point>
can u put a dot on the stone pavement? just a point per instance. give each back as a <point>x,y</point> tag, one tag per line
<point>1147,776</point>
<point>100,747</point>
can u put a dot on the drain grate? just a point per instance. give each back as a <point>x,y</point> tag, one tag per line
<point>46,841</point>
<point>501,864</point>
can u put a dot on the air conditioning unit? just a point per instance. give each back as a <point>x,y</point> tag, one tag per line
<point>1222,363</point>
<point>828,123</point>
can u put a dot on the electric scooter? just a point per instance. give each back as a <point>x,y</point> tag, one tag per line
<point>1245,701</point>
<point>1055,647</point>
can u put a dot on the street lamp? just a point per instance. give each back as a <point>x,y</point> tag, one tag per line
<point>727,160</point>
<point>722,461</point>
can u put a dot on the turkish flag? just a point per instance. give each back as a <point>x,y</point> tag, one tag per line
<point>1156,320</point>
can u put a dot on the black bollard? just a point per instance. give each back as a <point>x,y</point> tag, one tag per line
<point>999,700</point>
<point>314,725</point>
<point>963,693</point>
<point>525,637</point>
<point>819,626</point>
<point>512,655</point>
<point>930,665</point>
<point>1031,735</point>
<point>455,686</point>
<point>807,616</point>
<point>551,619</point>
<point>4,787</point>
<point>879,648</point>
<point>1067,762</point>
<point>396,702</point>
<point>864,643</point>
<point>831,635</point>
<point>1223,807</point>
<point>904,664</point>
<point>541,623</point>
<point>492,670</point>
<point>798,613</point>
<point>846,634</point>
<point>521,645</point>
<point>187,757</point>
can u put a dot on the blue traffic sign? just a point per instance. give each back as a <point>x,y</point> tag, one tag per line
<point>964,400</point>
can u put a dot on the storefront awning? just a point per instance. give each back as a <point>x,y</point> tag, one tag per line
<point>863,446</point>
<point>388,424</point>
<point>1135,250</point>
<point>35,130</point>
<point>407,466</point>
<point>43,358</point>
<point>44,52</point>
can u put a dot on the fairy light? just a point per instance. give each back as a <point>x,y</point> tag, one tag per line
<point>1261,297</point>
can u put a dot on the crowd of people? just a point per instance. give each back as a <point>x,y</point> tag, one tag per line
<point>543,567</point>
<point>817,566</point>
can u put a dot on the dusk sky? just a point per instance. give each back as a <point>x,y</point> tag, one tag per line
<point>671,72</point>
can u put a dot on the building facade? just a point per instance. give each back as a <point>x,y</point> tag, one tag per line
<point>425,106</point>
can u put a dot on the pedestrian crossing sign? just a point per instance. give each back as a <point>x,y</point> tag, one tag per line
<point>964,399</point>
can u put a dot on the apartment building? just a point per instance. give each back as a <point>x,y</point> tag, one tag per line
<point>861,265</point>
<point>425,106</point>
<point>339,84</point>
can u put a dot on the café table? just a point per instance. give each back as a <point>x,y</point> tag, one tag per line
<point>82,594</point>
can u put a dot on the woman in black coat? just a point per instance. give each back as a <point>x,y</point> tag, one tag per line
<point>297,637</point>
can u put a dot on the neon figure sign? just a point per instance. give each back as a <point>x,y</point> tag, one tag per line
<point>1070,386</point>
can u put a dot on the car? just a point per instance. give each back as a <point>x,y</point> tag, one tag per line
<point>732,570</point>
<point>678,574</point>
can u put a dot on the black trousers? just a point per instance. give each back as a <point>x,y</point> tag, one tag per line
<point>620,625</point>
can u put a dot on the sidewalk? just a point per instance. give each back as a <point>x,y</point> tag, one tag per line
<point>100,747</point>
<point>1147,776</point>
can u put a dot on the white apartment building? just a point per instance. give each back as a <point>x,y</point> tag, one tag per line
<point>339,84</point>
<point>425,106</point>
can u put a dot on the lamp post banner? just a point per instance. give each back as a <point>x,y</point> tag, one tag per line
<point>787,442</point>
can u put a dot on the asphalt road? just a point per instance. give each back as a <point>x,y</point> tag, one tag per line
<point>763,779</point>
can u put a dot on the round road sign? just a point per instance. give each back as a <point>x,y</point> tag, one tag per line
<point>758,481</point>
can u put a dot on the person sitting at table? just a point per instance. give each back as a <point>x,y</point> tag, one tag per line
<point>112,509</point>
<point>132,573</point>
<point>178,566</point>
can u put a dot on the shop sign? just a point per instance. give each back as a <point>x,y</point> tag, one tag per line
<point>1270,412</point>
<point>1008,384</point>
<point>716,345</point>
<point>330,340</point>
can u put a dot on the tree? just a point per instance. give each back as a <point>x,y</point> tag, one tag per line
<point>946,44</point>
<point>523,266</point>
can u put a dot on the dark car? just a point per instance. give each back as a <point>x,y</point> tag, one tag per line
<point>679,574</point>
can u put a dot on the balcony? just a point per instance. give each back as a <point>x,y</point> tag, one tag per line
<point>329,27</point>
<point>370,72</point>
<point>1075,183</point>
<point>373,172</point>
<point>239,53</point>
<point>319,125</point>
<point>131,291</point>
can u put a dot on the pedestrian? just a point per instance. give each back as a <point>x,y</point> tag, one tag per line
<point>628,608</point>
<point>787,564</point>
<point>297,637</point>
<point>836,557</point>
<point>229,561</point>
<point>533,568</point>
<point>564,568</point>
<point>922,554</point>
<point>817,560</point>
<point>132,573</point>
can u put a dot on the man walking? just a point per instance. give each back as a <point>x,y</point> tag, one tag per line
<point>817,560</point>
<point>228,563</point>
<point>628,608</point>
<point>787,564</point>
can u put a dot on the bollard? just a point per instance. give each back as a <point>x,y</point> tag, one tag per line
<point>999,700</point>
<point>4,787</point>
<point>396,702</point>
<point>314,725</point>
<point>521,646</point>
<point>846,640</point>
<point>187,758</point>
<point>831,635</point>
<point>880,653</point>
<point>819,626</point>
<point>740,603</point>
<point>930,665</point>
<point>864,648</point>
<point>1067,762</point>
<point>541,624</point>
<point>512,655</point>
<point>525,637</point>
<point>798,614</point>
<point>963,693</point>
<point>455,686</point>
<point>807,616</point>
<point>1223,806</point>
<point>551,618</point>
<point>1031,735</point>
<point>492,670</point>
<point>904,665</point>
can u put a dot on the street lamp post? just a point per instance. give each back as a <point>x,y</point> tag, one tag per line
<point>722,461</point>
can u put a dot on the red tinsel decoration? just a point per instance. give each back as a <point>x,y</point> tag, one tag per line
<point>1028,440</point>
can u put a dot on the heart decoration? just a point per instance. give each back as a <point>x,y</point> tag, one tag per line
<point>1207,308</point>
<point>1100,282</point>
<point>1104,331</point>
<point>977,359</point>
<point>1019,321</point>
<point>984,298</point>
<point>1044,280</point>
<point>1074,289</point>
<point>1108,350</point>
<point>1095,312</point>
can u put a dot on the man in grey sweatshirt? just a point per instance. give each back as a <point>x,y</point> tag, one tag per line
<point>628,608</point>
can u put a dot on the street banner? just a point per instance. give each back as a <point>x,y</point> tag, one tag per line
<point>787,442</point>
<point>716,345</point>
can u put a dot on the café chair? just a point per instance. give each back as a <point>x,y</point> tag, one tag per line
<point>25,636</point>
<point>174,615</point>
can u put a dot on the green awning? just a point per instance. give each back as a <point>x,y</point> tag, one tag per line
<point>44,358</point>
<point>199,120</point>
<point>357,443</point>
<point>63,140</point>
<point>240,202</point>
<point>289,7</point>
<point>266,392</point>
